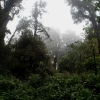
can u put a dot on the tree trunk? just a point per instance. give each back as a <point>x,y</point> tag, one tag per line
<point>9,42</point>
<point>3,29</point>
<point>95,65</point>
<point>98,44</point>
<point>35,27</point>
<point>35,32</point>
<point>2,35</point>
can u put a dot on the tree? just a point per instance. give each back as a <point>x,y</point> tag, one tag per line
<point>8,8</point>
<point>37,12</point>
<point>75,56</point>
<point>91,36</point>
<point>89,33</point>
<point>29,55</point>
<point>70,37</point>
<point>22,26</point>
<point>58,44</point>
<point>32,23</point>
<point>85,9</point>
<point>55,45</point>
<point>68,61</point>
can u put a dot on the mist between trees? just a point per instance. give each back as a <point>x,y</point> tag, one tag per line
<point>40,63</point>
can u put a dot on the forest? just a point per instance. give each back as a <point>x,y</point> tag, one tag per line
<point>41,63</point>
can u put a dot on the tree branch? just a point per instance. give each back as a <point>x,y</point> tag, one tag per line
<point>9,42</point>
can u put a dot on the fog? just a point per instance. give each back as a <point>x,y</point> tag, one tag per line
<point>47,41</point>
<point>57,16</point>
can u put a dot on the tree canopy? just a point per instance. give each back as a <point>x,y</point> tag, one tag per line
<point>85,9</point>
<point>8,9</point>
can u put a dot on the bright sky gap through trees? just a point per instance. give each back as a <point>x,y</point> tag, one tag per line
<point>58,16</point>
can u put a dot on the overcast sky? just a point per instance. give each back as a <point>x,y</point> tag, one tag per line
<point>58,16</point>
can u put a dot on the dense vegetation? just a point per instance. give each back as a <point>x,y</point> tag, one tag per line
<point>38,64</point>
<point>57,87</point>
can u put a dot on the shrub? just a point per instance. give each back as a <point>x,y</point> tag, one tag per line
<point>29,55</point>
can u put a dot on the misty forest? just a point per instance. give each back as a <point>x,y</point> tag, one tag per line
<point>38,62</point>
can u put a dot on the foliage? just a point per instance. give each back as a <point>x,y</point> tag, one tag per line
<point>26,71</point>
<point>80,54</point>
<point>88,64</point>
<point>58,42</point>
<point>73,57</point>
<point>8,9</point>
<point>57,87</point>
<point>35,80</point>
<point>23,24</point>
<point>85,10</point>
<point>37,12</point>
<point>29,55</point>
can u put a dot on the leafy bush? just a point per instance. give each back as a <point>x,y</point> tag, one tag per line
<point>88,64</point>
<point>58,87</point>
<point>29,55</point>
<point>35,81</point>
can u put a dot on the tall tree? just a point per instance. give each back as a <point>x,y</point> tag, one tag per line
<point>8,8</point>
<point>85,9</point>
<point>75,56</point>
<point>37,12</point>
<point>55,45</point>
<point>29,56</point>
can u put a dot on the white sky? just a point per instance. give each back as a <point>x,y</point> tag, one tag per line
<point>57,16</point>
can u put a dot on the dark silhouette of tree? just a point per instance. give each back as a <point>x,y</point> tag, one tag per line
<point>29,56</point>
<point>8,9</point>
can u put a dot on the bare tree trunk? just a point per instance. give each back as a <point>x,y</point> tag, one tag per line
<point>35,29</point>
